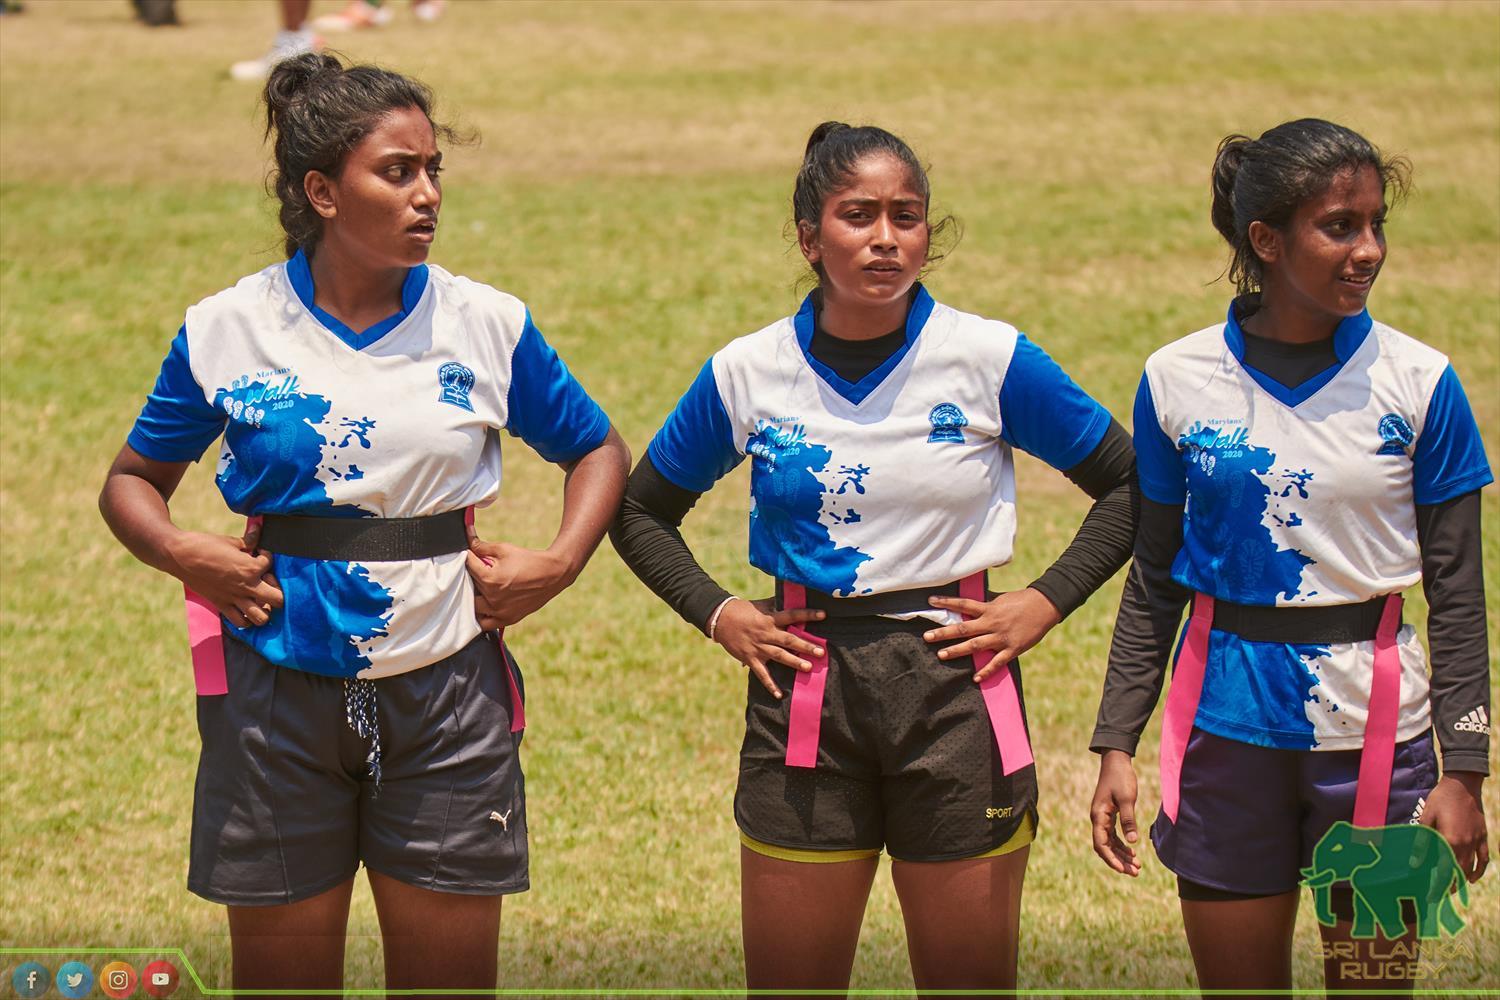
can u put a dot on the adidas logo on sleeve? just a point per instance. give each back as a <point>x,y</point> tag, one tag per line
<point>1477,721</point>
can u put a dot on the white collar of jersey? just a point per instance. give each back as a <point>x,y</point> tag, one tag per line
<point>299,273</point>
<point>855,392</point>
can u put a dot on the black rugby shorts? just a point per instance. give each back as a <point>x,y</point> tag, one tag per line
<point>284,806</point>
<point>906,757</point>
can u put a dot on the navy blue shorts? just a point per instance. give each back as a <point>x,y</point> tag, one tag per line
<point>1249,816</point>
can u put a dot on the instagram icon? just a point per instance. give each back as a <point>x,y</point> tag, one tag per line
<point>117,979</point>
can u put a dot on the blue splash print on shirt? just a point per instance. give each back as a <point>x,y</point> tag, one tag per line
<point>357,429</point>
<point>275,453</point>
<point>787,536</point>
<point>853,475</point>
<point>1257,692</point>
<point>1227,549</point>
<point>1295,481</point>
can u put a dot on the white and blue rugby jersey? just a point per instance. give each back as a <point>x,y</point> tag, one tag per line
<point>1303,497</point>
<point>397,421</point>
<point>903,479</point>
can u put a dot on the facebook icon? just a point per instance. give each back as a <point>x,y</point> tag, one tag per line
<point>31,979</point>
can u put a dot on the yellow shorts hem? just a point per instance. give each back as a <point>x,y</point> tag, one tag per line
<point>1024,835</point>
<point>800,854</point>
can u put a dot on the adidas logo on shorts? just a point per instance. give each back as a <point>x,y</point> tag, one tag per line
<point>1477,721</point>
<point>1416,814</point>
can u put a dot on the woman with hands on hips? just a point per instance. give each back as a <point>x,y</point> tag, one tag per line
<point>370,716</point>
<point>1301,464</point>
<point>884,707</point>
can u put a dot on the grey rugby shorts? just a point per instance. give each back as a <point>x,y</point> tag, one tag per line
<point>284,806</point>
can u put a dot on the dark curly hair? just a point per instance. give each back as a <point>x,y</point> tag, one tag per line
<point>834,151</point>
<point>1266,179</point>
<point>317,110</point>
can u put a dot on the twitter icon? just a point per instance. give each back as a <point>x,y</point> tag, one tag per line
<point>75,979</point>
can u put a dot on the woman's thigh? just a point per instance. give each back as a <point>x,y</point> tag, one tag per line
<point>962,919</point>
<point>801,920</point>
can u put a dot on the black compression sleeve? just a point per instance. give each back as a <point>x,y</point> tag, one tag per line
<point>1457,634</point>
<point>646,535</point>
<point>1103,541</point>
<point>1150,613</point>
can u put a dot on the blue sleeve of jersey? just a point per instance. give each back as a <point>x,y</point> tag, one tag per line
<point>546,407</point>
<point>1449,458</point>
<point>177,424</point>
<point>695,447</point>
<point>1044,413</point>
<point>1156,459</point>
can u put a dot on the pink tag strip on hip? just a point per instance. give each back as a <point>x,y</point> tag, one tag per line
<point>1182,702</point>
<point>206,636</point>
<point>1001,699</point>
<point>807,691</point>
<point>206,640</point>
<point>1372,794</point>
<point>517,709</point>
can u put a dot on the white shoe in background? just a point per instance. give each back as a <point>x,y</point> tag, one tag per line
<point>428,10</point>
<point>286,45</point>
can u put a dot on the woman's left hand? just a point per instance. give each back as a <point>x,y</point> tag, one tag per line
<point>1455,809</point>
<point>511,582</point>
<point>1010,625</point>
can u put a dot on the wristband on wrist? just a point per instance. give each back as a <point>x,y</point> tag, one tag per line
<point>713,619</point>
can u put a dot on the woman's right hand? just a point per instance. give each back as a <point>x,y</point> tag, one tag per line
<point>753,633</point>
<point>229,574</point>
<point>1114,796</point>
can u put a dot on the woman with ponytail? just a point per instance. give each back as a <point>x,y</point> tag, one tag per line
<point>1301,464</point>
<point>359,707</point>
<point>884,702</point>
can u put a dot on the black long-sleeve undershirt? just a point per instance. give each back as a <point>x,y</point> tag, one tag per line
<point>647,532</point>
<point>1448,537</point>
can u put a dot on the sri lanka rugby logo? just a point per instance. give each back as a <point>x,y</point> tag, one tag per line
<point>948,423</point>
<point>456,382</point>
<point>1396,434</point>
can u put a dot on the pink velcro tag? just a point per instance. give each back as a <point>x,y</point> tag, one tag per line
<point>1004,706</point>
<point>206,639</point>
<point>1182,702</point>
<point>1001,700</point>
<point>807,705</point>
<point>517,708</point>
<point>1373,792</point>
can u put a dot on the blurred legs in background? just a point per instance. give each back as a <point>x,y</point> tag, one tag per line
<point>293,39</point>
<point>359,14</point>
<point>156,13</point>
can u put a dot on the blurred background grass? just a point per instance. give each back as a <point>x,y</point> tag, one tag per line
<point>632,185</point>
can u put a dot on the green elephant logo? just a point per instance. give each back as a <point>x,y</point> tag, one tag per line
<point>1385,865</point>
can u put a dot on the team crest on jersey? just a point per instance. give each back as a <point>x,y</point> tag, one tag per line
<point>1396,434</point>
<point>456,382</point>
<point>948,423</point>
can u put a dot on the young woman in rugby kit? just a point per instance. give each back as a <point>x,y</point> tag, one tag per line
<point>880,426</point>
<point>1301,464</point>
<point>369,714</point>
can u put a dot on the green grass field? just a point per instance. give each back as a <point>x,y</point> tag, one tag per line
<point>632,186</point>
